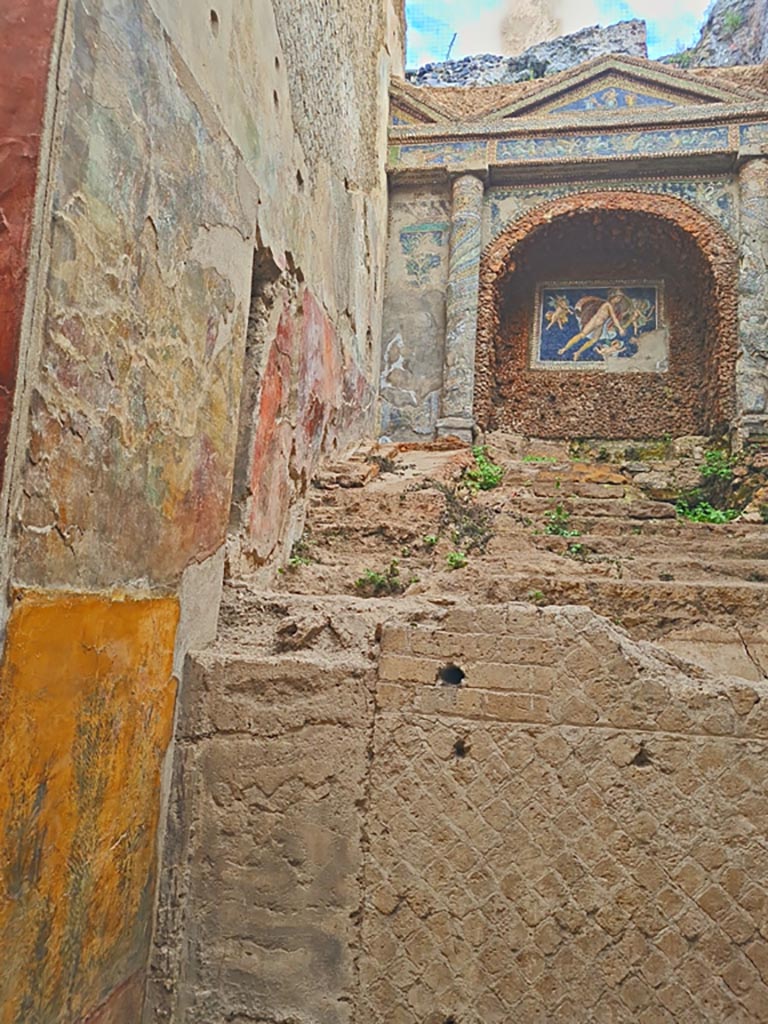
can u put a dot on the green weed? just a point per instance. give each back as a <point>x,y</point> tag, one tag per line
<point>558,523</point>
<point>718,464</point>
<point>379,584</point>
<point>703,512</point>
<point>539,458</point>
<point>484,475</point>
<point>430,540</point>
<point>457,560</point>
<point>732,22</point>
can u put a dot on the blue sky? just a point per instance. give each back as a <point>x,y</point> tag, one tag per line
<point>432,23</point>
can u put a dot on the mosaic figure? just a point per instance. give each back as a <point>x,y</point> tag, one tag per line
<point>594,323</point>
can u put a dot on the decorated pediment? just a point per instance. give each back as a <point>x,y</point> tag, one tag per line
<point>407,107</point>
<point>617,84</point>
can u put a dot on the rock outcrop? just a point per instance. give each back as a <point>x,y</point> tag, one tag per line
<point>735,32</point>
<point>547,58</point>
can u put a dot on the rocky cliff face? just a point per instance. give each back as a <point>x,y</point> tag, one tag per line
<point>628,37</point>
<point>735,32</point>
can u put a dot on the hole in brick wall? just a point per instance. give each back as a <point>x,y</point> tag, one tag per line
<point>451,675</point>
<point>299,179</point>
<point>460,748</point>
<point>214,23</point>
<point>450,1020</point>
<point>642,758</point>
<point>275,98</point>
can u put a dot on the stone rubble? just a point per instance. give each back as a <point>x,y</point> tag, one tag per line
<point>547,58</point>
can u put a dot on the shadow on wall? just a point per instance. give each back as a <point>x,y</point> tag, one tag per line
<point>303,399</point>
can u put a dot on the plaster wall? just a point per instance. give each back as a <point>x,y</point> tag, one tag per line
<point>26,45</point>
<point>181,141</point>
<point>413,338</point>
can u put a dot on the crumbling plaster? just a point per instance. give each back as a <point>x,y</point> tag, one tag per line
<point>167,169</point>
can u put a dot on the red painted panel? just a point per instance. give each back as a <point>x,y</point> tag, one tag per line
<point>26,39</point>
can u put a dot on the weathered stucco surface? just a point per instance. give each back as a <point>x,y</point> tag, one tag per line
<point>26,42</point>
<point>131,423</point>
<point>86,715</point>
<point>413,338</point>
<point>547,842</point>
<point>576,832</point>
<point>186,136</point>
<point>265,853</point>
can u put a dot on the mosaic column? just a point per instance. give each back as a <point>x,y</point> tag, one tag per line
<point>461,308</point>
<point>752,367</point>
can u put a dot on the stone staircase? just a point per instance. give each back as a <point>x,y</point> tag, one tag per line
<point>529,789</point>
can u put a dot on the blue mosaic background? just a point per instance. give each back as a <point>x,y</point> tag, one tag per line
<point>556,333</point>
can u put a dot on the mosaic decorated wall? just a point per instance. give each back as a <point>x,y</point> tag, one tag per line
<point>414,325</point>
<point>606,324</point>
<point>184,138</point>
<point>688,346</point>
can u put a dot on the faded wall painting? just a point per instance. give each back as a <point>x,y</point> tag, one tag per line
<point>614,327</point>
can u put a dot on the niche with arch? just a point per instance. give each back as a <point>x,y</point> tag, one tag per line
<point>654,247</point>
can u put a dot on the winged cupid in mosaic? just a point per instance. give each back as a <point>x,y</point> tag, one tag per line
<point>559,312</point>
<point>599,319</point>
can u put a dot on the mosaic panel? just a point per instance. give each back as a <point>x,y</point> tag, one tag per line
<point>613,144</point>
<point>713,196</point>
<point>600,326</point>
<point>613,98</point>
<point>435,154</point>
<point>753,134</point>
<point>418,243</point>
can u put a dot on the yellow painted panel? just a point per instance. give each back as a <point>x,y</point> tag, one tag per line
<point>86,715</point>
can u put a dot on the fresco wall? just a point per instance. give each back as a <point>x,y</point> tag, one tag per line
<point>26,44</point>
<point>170,169</point>
<point>413,333</point>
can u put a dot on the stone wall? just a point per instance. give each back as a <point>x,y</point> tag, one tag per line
<point>186,136</point>
<point>576,832</point>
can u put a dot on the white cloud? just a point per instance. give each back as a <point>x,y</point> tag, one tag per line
<point>478,24</point>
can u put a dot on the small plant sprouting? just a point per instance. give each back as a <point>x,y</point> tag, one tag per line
<point>732,22</point>
<point>576,551</point>
<point>457,560</point>
<point>299,556</point>
<point>484,475</point>
<point>718,464</point>
<point>703,512</point>
<point>379,584</point>
<point>539,458</point>
<point>558,523</point>
<point>536,597</point>
<point>429,540</point>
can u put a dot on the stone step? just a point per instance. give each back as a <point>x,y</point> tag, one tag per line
<point>653,607</point>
